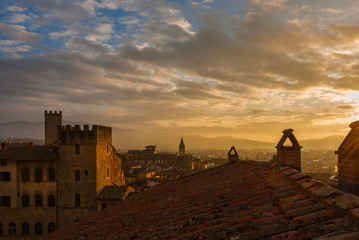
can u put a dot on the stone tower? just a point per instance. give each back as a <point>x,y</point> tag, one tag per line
<point>289,155</point>
<point>348,161</point>
<point>181,148</point>
<point>52,120</point>
<point>84,168</point>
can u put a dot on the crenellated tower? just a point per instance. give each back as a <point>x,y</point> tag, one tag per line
<point>85,166</point>
<point>52,120</point>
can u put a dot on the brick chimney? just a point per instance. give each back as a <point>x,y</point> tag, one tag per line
<point>232,155</point>
<point>348,166</point>
<point>289,155</point>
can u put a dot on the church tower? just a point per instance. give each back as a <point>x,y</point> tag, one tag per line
<point>182,148</point>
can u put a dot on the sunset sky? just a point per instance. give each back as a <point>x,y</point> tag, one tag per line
<point>245,69</point>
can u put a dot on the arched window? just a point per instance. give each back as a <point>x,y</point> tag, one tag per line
<point>38,174</point>
<point>25,174</point>
<point>0,228</point>
<point>12,228</point>
<point>25,200</point>
<point>51,174</point>
<point>77,175</point>
<point>51,227</point>
<point>38,228</point>
<point>51,200</point>
<point>77,200</point>
<point>38,200</point>
<point>25,228</point>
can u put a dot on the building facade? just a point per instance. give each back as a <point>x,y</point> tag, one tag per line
<point>44,188</point>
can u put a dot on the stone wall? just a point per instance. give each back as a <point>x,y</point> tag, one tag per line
<point>52,120</point>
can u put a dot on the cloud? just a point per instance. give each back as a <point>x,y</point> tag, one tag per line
<point>66,33</point>
<point>102,32</point>
<point>65,11</point>
<point>18,18</point>
<point>16,8</point>
<point>347,107</point>
<point>18,33</point>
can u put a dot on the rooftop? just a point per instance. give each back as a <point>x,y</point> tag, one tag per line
<point>23,152</point>
<point>243,200</point>
<point>112,193</point>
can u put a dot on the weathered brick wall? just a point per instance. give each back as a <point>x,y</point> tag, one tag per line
<point>290,156</point>
<point>85,162</point>
<point>348,169</point>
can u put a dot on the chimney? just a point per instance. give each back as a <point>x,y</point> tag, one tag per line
<point>289,155</point>
<point>232,155</point>
<point>348,154</point>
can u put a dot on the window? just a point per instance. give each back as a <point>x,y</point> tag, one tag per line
<point>4,176</point>
<point>77,200</point>
<point>108,172</point>
<point>51,174</point>
<point>25,200</point>
<point>0,228</point>
<point>51,200</point>
<point>103,206</point>
<point>25,228</point>
<point>3,163</point>
<point>38,228</point>
<point>77,175</point>
<point>86,172</point>
<point>12,228</point>
<point>38,200</point>
<point>77,148</point>
<point>51,227</point>
<point>25,174</point>
<point>38,174</point>
<point>5,201</point>
<point>115,171</point>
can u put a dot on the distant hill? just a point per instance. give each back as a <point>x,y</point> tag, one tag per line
<point>331,142</point>
<point>124,139</point>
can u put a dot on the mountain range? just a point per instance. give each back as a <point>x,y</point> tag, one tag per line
<point>124,139</point>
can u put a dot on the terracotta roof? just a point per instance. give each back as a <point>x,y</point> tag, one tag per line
<point>243,200</point>
<point>25,153</point>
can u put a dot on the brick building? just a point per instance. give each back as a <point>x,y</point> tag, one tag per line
<point>348,161</point>
<point>43,188</point>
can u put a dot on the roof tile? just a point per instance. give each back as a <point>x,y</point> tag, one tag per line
<point>244,200</point>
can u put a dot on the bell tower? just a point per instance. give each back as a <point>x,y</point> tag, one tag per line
<point>181,149</point>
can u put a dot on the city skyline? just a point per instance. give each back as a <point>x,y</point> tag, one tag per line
<point>246,69</point>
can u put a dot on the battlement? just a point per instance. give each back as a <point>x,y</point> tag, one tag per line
<point>75,135</point>
<point>53,114</point>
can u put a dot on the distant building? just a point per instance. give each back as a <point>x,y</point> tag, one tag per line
<point>181,148</point>
<point>110,195</point>
<point>43,188</point>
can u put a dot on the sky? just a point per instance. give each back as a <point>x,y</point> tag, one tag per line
<point>239,68</point>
